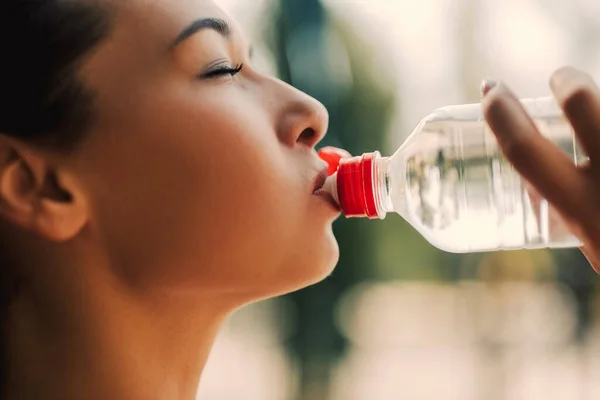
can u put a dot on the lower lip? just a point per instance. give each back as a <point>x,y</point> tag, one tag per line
<point>322,193</point>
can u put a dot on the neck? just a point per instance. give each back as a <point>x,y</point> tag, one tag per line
<point>97,340</point>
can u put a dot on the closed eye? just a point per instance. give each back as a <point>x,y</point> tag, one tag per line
<point>223,70</point>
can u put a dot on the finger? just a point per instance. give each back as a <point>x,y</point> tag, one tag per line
<point>579,97</point>
<point>537,159</point>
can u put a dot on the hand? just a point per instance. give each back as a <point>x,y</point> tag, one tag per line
<point>573,191</point>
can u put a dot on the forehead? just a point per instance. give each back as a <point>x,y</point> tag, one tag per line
<point>161,20</point>
<point>138,47</point>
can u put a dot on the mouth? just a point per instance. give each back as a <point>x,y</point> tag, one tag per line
<point>319,191</point>
<point>320,180</point>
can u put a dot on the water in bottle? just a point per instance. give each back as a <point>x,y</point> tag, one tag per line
<point>450,181</point>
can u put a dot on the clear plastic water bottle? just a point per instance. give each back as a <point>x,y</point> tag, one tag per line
<point>450,181</point>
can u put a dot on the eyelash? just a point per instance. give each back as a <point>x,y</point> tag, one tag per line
<point>224,71</point>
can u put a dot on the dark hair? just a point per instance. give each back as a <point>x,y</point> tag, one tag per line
<point>42,43</point>
<point>42,99</point>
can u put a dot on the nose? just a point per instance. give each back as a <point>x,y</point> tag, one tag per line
<point>302,120</point>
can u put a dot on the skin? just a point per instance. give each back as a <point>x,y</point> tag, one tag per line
<point>572,190</point>
<point>188,198</point>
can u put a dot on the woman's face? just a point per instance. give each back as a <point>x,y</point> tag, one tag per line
<point>199,176</point>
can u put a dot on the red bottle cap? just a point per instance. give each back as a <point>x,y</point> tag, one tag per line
<point>355,187</point>
<point>332,156</point>
<point>354,181</point>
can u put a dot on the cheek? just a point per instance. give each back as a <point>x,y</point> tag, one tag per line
<point>212,194</point>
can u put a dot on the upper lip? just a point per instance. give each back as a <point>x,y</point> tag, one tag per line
<point>320,179</point>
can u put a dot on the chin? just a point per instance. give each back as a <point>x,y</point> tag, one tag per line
<point>315,266</point>
<point>300,269</point>
<point>330,257</point>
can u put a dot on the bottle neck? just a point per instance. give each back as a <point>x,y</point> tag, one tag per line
<point>361,186</point>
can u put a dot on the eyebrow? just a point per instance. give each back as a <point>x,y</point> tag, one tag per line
<point>216,24</point>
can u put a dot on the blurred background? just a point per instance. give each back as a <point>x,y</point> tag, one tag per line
<point>399,319</point>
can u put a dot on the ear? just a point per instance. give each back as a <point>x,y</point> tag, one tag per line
<point>38,197</point>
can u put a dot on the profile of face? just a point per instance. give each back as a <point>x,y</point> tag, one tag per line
<point>198,171</point>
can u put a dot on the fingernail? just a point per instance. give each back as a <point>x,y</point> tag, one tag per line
<point>487,85</point>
